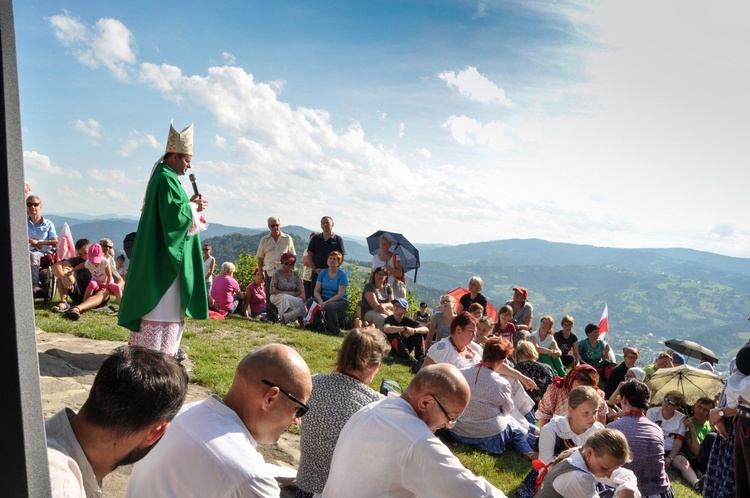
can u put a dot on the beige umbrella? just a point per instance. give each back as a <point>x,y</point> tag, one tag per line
<point>691,382</point>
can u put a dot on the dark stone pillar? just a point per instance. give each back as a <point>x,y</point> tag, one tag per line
<point>24,471</point>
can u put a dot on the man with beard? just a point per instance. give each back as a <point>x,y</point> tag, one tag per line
<point>135,395</point>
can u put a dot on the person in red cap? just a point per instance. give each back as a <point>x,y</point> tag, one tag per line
<point>523,311</point>
<point>617,375</point>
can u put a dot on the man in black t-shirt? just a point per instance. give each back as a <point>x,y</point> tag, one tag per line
<point>321,245</point>
<point>405,334</point>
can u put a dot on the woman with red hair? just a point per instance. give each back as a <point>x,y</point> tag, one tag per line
<point>555,400</point>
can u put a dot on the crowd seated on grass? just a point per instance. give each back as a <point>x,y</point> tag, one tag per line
<point>524,381</point>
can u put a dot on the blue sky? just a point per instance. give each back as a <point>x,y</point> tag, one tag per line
<point>608,123</point>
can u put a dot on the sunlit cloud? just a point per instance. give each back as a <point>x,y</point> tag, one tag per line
<point>90,127</point>
<point>137,140</point>
<point>39,163</point>
<point>475,86</point>
<point>469,132</point>
<point>108,43</point>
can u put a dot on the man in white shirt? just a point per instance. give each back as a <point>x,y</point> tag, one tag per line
<point>135,395</point>
<point>270,249</point>
<point>388,447</point>
<point>211,447</point>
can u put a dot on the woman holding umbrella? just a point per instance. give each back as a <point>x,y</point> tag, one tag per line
<point>393,267</point>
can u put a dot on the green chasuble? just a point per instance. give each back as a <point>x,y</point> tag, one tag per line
<point>162,251</point>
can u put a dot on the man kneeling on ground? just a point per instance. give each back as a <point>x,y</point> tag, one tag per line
<point>135,395</point>
<point>210,450</point>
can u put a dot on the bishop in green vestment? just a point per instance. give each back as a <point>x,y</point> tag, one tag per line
<point>165,278</point>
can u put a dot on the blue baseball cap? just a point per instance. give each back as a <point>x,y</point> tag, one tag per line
<point>401,302</point>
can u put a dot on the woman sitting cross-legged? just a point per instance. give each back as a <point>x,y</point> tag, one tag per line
<point>376,298</point>
<point>487,422</point>
<point>286,287</point>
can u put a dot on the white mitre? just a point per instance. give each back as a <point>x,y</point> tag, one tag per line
<point>180,143</point>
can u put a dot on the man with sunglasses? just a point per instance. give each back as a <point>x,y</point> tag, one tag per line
<point>42,238</point>
<point>672,423</point>
<point>210,449</point>
<point>270,249</point>
<point>388,448</point>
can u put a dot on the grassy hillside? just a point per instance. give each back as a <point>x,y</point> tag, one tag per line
<point>215,348</point>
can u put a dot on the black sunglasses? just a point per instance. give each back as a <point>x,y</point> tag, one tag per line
<point>667,400</point>
<point>301,409</point>
<point>32,204</point>
<point>106,247</point>
<point>451,421</point>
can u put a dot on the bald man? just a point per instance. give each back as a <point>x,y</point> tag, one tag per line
<point>210,449</point>
<point>388,447</point>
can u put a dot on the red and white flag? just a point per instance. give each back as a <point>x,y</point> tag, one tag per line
<point>604,323</point>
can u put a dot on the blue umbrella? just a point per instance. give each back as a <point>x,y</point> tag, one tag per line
<point>400,245</point>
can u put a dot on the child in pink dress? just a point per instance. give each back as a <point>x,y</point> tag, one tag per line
<point>101,274</point>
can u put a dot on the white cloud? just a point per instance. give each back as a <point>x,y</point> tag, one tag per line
<point>136,140</point>
<point>220,141</point>
<point>107,195</point>
<point>469,132</point>
<point>89,127</point>
<point>108,43</point>
<point>424,153</point>
<point>474,85</point>
<point>723,230</point>
<point>229,58</point>
<point>34,161</point>
<point>111,176</point>
<point>244,107</point>
<point>401,130</point>
<point>151,141</point>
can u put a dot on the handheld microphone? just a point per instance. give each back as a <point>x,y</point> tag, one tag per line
<point>195,186</point>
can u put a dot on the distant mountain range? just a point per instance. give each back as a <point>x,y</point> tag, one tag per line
<point>652,294</point>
